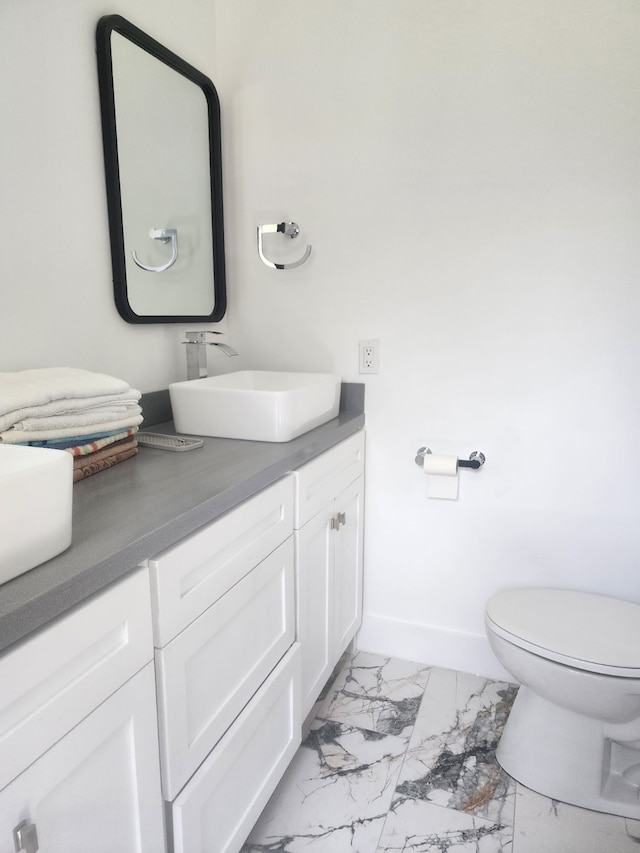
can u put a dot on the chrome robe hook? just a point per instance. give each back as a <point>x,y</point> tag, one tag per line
<point>290,229</point>
<point>164,235</point>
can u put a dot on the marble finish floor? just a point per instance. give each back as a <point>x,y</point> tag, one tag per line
<point>400,758</point>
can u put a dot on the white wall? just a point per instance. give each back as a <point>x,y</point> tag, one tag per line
<point>56,288</point>
<point>468,174</point>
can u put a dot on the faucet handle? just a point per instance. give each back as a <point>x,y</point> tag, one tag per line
<point>199,337</point>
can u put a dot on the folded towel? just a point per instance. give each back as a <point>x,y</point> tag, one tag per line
<point>80,442</point>
<point>19,436</point>
<point>94,417</point>
<point>96,462</point>
<point>105,452</point>
<point>80,450</point>
<point>36,387</point>
<point>67,406</point>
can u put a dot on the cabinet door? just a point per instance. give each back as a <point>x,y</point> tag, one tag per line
<point>216,809</point>
<point>209,672</point>
<point>97,789</point>
<point>51,680</point>
<point>348,543</point>
<point>314,591</point>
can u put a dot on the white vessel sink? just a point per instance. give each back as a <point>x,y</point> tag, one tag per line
<point>36,492</point>
<point>257,405</point>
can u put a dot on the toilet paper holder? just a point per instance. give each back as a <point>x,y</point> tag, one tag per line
<point>476,459</point>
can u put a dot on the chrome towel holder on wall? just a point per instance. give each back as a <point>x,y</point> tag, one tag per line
<point>290,229</point>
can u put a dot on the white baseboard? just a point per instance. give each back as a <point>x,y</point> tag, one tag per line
<point>425,644</point>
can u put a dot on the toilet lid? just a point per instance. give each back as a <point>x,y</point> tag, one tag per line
<point>579,629</point>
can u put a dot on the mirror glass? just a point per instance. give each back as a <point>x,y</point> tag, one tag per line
<point>161,134</point>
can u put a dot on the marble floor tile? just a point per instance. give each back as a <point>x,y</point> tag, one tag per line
<point>335,795</point>
<point>451,756</point>
<point>401,759</point>
<point>416,826</point>
<point>376,693</point>
<point>547,825</point>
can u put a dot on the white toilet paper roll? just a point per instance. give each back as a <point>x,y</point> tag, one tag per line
<point>446,466</point>
<point>442,476</point>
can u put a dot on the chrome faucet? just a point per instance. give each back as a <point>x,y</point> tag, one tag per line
<point>196,344</point>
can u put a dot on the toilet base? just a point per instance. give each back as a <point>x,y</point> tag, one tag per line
<point>569,757</point>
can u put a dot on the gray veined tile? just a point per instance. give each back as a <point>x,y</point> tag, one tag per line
<point>334,796</point>
<point>553,827</point>
<point>451,756</point>
<point>377,693</point>
<point>416,826</point>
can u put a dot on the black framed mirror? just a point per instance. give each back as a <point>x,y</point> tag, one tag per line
<point>163,168</point>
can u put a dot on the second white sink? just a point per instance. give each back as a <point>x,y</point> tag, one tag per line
<point>36,497</point>
<point>257,405</point>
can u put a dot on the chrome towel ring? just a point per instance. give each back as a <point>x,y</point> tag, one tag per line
<point>290,229</point>
<point>164,235</point>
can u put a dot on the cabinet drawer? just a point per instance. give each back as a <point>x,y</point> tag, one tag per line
<point>54,678</point>
<point>221,803</point>
<point>319,481</point>
<point>189,577</point>
<point>208,673</point>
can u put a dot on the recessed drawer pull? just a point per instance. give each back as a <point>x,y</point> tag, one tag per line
<point>25,838</point>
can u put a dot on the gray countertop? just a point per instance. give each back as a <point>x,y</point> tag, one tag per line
<point>132,511</point>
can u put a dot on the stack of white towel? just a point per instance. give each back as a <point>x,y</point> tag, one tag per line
<point>92,415</point>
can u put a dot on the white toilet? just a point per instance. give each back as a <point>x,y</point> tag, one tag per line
<point>573,733</point>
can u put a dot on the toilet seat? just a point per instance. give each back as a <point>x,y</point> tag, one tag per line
<point>578,629</point>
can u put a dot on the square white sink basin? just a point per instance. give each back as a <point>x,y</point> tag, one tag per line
<point>36,495</point>
<point>256,405</point>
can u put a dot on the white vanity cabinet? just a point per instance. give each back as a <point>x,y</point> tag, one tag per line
<point>227,668</point>
<point>161,713</point>
<point>329,555</point>
<point>79,763</point>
